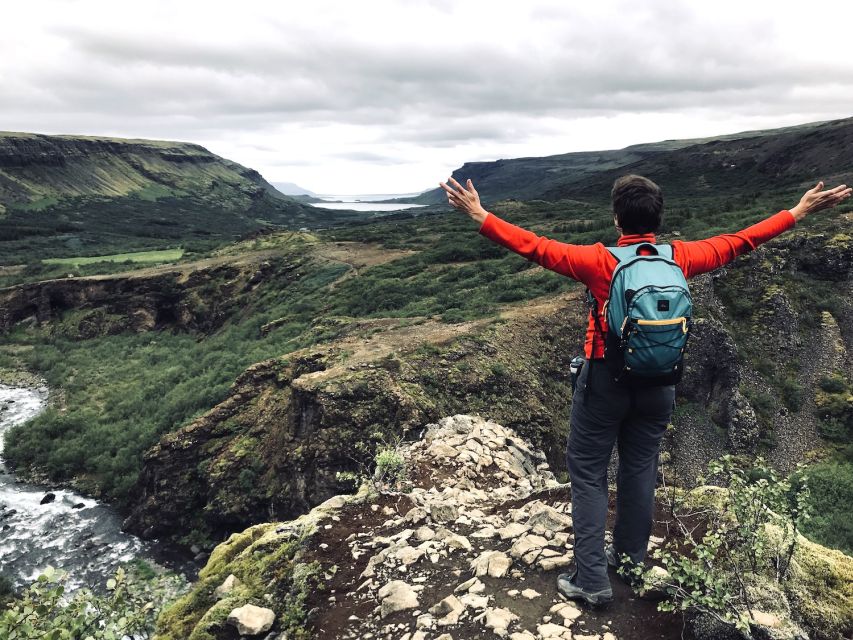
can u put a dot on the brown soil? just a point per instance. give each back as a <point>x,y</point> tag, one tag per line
<point>628,617</point>
<point>358,254</point>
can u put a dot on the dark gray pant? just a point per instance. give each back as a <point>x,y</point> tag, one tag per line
<point>604,413</point>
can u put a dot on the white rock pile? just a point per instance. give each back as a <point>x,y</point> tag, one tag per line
<point>461,531</point>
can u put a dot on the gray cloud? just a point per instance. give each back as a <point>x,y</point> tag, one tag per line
<point>415,86</point>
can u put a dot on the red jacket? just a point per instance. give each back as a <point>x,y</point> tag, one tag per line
<point>593,265</point>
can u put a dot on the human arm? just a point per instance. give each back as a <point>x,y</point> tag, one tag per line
<point>580,262</point>
<point>701,256</point>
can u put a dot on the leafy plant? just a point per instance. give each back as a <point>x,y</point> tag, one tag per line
<point>391,470</point>
<point>45,612</point>
<point>741,533</point>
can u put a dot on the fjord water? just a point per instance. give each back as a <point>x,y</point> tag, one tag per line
<point>365,202</point>
<point>73,533</point>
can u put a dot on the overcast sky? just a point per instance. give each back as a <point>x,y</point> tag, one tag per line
<point>390,96</point>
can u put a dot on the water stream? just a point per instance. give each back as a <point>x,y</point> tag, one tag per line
<point>72,532</point>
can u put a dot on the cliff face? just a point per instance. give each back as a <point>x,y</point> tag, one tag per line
<point>170,298</point>
<point>274,446</point>
<point>776,160</point>
<point>748,161</point>
<point>66,196</point>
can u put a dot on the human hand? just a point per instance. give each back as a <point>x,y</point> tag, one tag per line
<point>817,200</point>
<point>466,200</point>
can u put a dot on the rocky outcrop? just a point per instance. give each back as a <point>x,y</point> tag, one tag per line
<point>173,298</point>
<point>275,446</point>
<point>406,565</point>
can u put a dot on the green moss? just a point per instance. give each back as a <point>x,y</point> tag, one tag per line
<point>840,240</point>
<point>706,496</point>
<point>820,589</point>
<point>271,574</point>
<point>178,621</point>
<point>225,553</point>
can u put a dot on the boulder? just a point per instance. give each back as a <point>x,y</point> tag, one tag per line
<point>551,631</point>
<point>251,620</point>
<point>443,511</point>
<point>397,596</point>
<point>491,563</point>
<point>549,519</point>
<point>226,587</point>
<point>447,611</point>
<point>513,530</point>
<point>498,620</point>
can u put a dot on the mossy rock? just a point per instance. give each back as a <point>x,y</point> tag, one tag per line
<point>267,561</point>
<point>706,496</point>
<point>820,589</point>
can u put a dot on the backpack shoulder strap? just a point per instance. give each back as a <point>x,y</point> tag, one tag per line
<point>623,253</point>
<point>665,250</point>
<point>627,252</point>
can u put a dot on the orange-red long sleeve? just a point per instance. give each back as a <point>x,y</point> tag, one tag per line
<point>593,264</point>
<point>584,263</point>
<point>701,256</point>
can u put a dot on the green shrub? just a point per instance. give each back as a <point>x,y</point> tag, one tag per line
<point>834,408</point>
<point>830,499</point>
<point>391,470</point>
<point>723,544</point>
<point>833,383</point>
<point>43,612</point>
<point>793,394</point>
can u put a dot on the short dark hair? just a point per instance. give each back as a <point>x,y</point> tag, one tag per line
<point>637,204</point>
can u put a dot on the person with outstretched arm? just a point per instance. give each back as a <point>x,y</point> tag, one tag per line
<point>605,412</point>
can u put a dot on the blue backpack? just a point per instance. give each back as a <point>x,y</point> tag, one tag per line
<point>649,314</point>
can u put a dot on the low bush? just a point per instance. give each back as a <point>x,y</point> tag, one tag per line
<point>724,542</point>
<point>45,611</point>
<point>830,499</point>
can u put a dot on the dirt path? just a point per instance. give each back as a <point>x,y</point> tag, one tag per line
<point>381,545</point>
<point>357,255</point>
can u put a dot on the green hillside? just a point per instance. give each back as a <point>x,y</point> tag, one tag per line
<point>63,196</point>
<point>233,386</point>
<point>734,163</point>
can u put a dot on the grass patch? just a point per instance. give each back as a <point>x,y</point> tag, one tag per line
<point>162,255</point>
<point>831,487</point>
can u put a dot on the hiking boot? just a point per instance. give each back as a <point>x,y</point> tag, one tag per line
<point>614,561</point>
<point>566,585</point>
<point>610,553</point>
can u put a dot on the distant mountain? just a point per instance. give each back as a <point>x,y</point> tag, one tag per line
<point>80,195</point>
<point>292,189</point>
<point>38,169</point>
<point>782,159</point>
<point>753,159</point>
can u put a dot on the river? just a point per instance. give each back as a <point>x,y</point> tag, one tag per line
<point>73,532</point>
